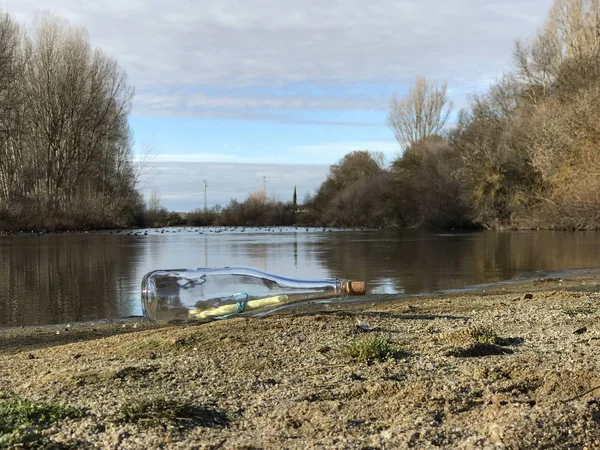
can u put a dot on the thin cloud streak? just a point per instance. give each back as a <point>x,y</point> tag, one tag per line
<point>290,155</point>
<point>159,102</point>
<point>232,114</point>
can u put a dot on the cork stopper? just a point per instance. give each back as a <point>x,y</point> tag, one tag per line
<point>355,288</point>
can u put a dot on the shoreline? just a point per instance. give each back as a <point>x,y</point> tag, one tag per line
<point>542,276</point>
<point>134,230</point>
<point>513,366</point>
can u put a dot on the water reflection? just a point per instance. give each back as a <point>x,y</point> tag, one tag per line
<point>59,279</point>
<point>63,278</point>
<point>414,262</point>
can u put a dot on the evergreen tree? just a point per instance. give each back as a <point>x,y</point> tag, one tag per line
<point>294,198</point>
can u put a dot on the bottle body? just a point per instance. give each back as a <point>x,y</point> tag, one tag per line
<point>188,295</point>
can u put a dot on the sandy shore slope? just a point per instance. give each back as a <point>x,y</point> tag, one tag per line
<point>515,366</point>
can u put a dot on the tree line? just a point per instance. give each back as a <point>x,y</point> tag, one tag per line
<point>256,210</point>
<point>65,143</point>
<point>526,154</point>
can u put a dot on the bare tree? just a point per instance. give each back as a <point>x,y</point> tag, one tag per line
<point>78,101</point>
<point>65,143</point>
<point>11,113</point>
<point>154,201</point>
<point>422,113</point>
<point>564,54</point>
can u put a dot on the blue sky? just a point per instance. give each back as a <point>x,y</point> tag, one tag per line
<point>262,83</point>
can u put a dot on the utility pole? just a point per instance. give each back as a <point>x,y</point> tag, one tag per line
<point>205,205</point>
<point>264,185</point>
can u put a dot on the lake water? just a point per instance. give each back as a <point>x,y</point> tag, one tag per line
<point>64,278</point>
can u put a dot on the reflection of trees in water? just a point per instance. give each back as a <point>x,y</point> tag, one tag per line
<point>257,252</point>
<point>424,262</point>
<point>503,255</point>
<point>64,278</point>
<point>415,260</point>
<point>59,279</point>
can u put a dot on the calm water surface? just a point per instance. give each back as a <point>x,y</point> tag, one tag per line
<point>78,277</point>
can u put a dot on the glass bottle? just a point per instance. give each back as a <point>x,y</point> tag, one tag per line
<point>190,295</point>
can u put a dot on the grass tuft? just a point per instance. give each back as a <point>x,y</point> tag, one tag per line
<point>22,422</point>
<point>477,349</point>
<point>483,335</point>
<point>171,413</point>
<point>574,311</point>
<point>134,373</point>
<point>476,341</point>
<point>372,349</point>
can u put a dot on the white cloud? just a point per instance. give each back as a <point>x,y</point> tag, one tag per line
<point>230,105</point>
<point>244,44</point>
